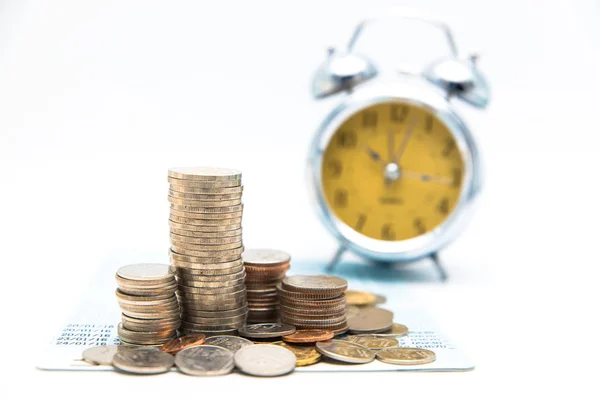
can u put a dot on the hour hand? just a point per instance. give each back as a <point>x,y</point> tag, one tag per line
<point>373,155</point>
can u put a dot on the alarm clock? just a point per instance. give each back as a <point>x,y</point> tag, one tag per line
<point>394,170</point>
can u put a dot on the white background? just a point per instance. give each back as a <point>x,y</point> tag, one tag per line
<point>99,98</point>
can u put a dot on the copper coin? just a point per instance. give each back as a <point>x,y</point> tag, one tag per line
<point>308,336</point>
<point>175,345</point>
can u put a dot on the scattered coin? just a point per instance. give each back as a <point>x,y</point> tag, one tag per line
<point>342,350</point>
<point>305,355</point>
<point>356,298</point>
<point>265,360</point>
<point>309,336</point>
<point>406,356</point>
<point>176,345</point>
<point>266,330</point>
<point>142,360</point>
<point>205,361</point>
<point>101,355</point>
<point>371,320</point>
<point>373,342</point>
<point>233,343</point>
<point>397,330</point>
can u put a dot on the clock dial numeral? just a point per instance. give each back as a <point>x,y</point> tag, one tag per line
<point>448,148</point>
<point>335,168</point>
<point>428,123</point>
<point>341,198</point>
<point>456,177</point>
<point>347,140</point>
<point>398,113</point>
<point>360,224</point>
<point>369,119</point>
<point>444,206</point>
<point>419,225</point>
<point>387,232</point>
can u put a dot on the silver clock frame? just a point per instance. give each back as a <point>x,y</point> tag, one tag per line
<point>429,244</point>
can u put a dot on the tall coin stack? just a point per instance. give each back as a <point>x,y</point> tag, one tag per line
<point>264,270</point>
<point>206,249</point>
<point>150,312</point>
<point>314,302</point>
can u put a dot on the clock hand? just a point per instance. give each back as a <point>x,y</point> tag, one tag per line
<point>426,177</point>
<point>373,155</point>
<point>390,145</point>
<point>405,139</point>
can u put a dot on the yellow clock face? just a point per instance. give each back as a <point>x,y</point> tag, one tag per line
<point>392,172</point>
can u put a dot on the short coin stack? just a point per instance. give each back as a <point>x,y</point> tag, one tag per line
<point>206,248</point>
<point>264,270</point>
<point>314,302</point>
<point>150,312</point>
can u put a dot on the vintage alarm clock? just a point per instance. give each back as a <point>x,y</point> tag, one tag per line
<point>394,170</point>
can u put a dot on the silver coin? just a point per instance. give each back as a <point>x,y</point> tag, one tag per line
<point>205,361</point>
<point>265,257</point>
<point>142,360</point>
<point>101,355</point>
<point>371,320</point>
<point>265,360</point>
<point>146,272</point>
<point>232,343</point>
<point>342,350</point>
<point>205,174</point>
<point>268,330</point>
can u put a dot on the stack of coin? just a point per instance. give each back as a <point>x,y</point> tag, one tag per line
<point>264,270</point>
<point>206,249</point>
<point>313,302</point>
<point>150,312</point>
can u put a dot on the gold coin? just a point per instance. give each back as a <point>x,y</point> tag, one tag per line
<point>205,197</point>
<point>305,355</point>
<point>406,356</point>
<point>206,174</point>
<point>206,191</point>
<point>356,298</point>
<point>373,342</point>
<point>396,331</point>
<point>203,184</point>
<point>205,203</point>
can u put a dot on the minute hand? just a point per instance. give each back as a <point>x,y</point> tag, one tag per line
<point>407,135</point>
<point>426,177</point>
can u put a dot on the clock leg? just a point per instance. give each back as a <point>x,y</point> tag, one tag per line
<point>336,258</point>
<point>438,265</point>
